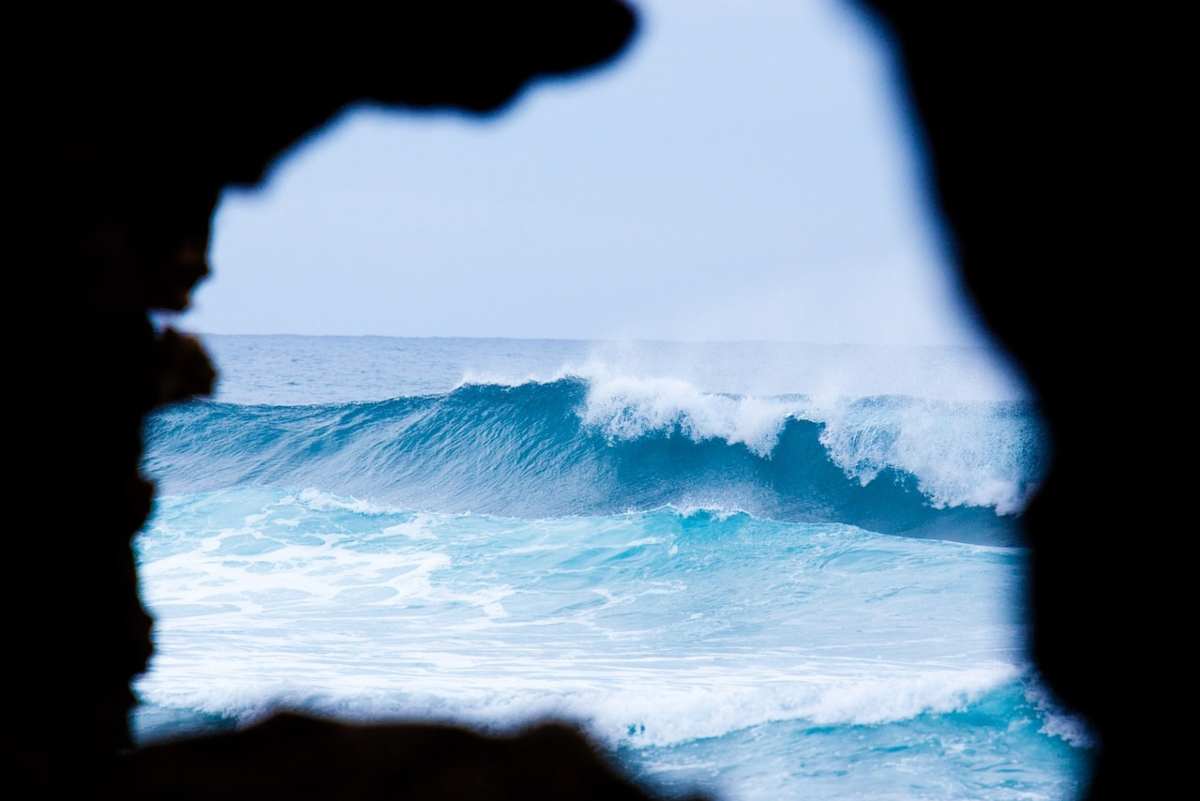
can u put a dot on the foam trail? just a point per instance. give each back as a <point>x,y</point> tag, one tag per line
<point>658,631</point>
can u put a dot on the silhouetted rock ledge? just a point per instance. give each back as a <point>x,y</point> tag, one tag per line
<point>292,756</point>
<point>148,129</point>
<point>148,121</point>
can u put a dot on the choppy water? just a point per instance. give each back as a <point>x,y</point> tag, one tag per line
<point>767,571</point>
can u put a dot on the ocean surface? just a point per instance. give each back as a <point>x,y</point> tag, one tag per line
<point>760,570</point>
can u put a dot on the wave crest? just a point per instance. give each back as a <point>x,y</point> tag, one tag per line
<point>611,443</point>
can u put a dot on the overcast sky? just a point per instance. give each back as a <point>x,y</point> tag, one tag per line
<point>747,171</point>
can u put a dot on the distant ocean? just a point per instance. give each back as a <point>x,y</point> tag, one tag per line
<point>767,571</point>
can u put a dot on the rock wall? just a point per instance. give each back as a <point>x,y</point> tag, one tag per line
<point>151,119</point>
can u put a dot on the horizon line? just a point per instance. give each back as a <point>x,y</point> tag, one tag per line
<point>637,340</point>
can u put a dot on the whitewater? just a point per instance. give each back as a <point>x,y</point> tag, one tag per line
<point>758,570</point>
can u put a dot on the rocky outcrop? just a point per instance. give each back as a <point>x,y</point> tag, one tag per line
<point>149,120</point>
<point>1030,121</point>
<point>290,757</point>
<point>150,126</point>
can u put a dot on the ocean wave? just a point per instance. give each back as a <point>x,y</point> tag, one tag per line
<point>961,453</point>
<point>644,715</point>
<point>610,443</point>
<point>677,628</point>
<point>676,624</point>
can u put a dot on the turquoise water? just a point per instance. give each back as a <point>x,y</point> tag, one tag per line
<point>749,585</point>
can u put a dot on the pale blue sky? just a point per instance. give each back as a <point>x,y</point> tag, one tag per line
<point>747,171</point>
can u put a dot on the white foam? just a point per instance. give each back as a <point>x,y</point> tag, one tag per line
<point>416,529</point>
<point>961,453</point>
<point>635,706</point>
<point>476,619</point>
<point>318,500</point>
<point>1056,722</point>
<point>624,407</point>
<point>472,378</point>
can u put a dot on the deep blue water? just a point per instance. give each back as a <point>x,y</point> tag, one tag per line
<point>769,571</point>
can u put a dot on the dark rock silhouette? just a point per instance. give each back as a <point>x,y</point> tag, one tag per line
<point>291,756</point>
<point>1028,133</point>
<point>152,120</point>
